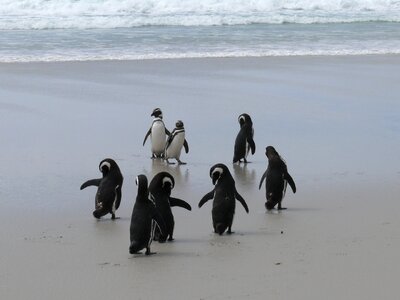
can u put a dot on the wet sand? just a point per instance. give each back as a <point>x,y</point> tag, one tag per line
<point>335,120</point>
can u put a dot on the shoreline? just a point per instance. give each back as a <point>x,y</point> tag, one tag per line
<point>228,57</point>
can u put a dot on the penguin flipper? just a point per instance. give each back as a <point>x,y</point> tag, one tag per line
<point>185,144</point>
<point>95,182</point>
<point>167,132</point>
<point>241,200</point>
<point>147,135</point>
<point>180,203</point>
<point>291,182</point>
<point>169,140</point>
<point>206,197</point>
<point>262,179</point>
<point>252,145</point>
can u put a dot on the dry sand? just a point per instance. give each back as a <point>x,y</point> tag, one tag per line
<point>335,120</point>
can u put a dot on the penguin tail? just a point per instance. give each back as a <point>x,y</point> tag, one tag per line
<point>98,213</point>
<point>269,205</point>
<point>220,228</point>
<point>134,247</point>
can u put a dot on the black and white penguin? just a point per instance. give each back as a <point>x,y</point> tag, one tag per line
<point>276,179</point>
<point>175,143</point>
<point>158,134</point>
<point>224,195</point>
<point>108,196</point>
<point>244,140</point>
<point>145,218</point>
<point>160,192</point>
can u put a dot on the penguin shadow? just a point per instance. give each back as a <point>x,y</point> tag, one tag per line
<point>162,253</point>
<point>260,232</point>
<point>112,221</point>
<point>158,164</point>
<point>297,209</point>
<point>243,174</point>
<point>186,241</point>
<point>179,175</point>
<point>177,171</point>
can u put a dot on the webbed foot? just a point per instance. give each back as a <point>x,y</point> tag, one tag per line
<point>148,252</point>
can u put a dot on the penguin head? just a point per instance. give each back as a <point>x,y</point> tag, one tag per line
<point>217,172</point>
<point>270,152</point>
<point>244,118</point>
<point>107,165</point>
<point>179,124</point>
<point>141,182</point>
<point>162,182</point>
<point>157,113</point>
<point>168,184</point>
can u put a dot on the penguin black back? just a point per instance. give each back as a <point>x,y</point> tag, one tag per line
<point>160,191</point>
<point>224,195</point>
<point>244,140</point>
<point>276,179</point>
<point>144,220</point>
<point>109,191</point>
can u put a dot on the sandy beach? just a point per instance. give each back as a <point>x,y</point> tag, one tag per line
<point>335,121</point>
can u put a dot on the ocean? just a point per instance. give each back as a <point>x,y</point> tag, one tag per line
<point>80,30</point>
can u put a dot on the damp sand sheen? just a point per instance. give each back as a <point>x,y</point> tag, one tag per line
<point>335,120</point>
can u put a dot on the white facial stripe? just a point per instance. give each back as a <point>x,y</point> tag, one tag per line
<point>242,118</point>
<point>167,179</point>
<point>137,180</point>
<point>219,170</point>
<point>107,164</point>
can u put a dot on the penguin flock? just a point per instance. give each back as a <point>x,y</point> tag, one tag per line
<point>152,218</point>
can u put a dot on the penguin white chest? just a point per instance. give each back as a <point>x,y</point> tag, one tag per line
<point>158,137</point>
<point>175,148</point>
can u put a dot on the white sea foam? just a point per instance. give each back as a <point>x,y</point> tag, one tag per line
<point>224,54</point>
<point>49,14</point>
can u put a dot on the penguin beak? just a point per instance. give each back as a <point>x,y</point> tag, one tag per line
<point>215,177</point>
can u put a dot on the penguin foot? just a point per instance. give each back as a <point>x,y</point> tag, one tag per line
<point>230,231</point>
<point>170,239</point>
<point>148,252</point>
<point>280,206</point>
<point>245,160</point>
<point>169,162</point>
<point>181,162</point>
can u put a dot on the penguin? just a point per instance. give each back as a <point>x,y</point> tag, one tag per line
<point>175,142</point>
<point>158,134</point>
<point>244,140</point>
<point>145,218</point>
<point>276,179</point>
<point>108,196</point>
<point>224,195</point>
<point>160,192</point>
